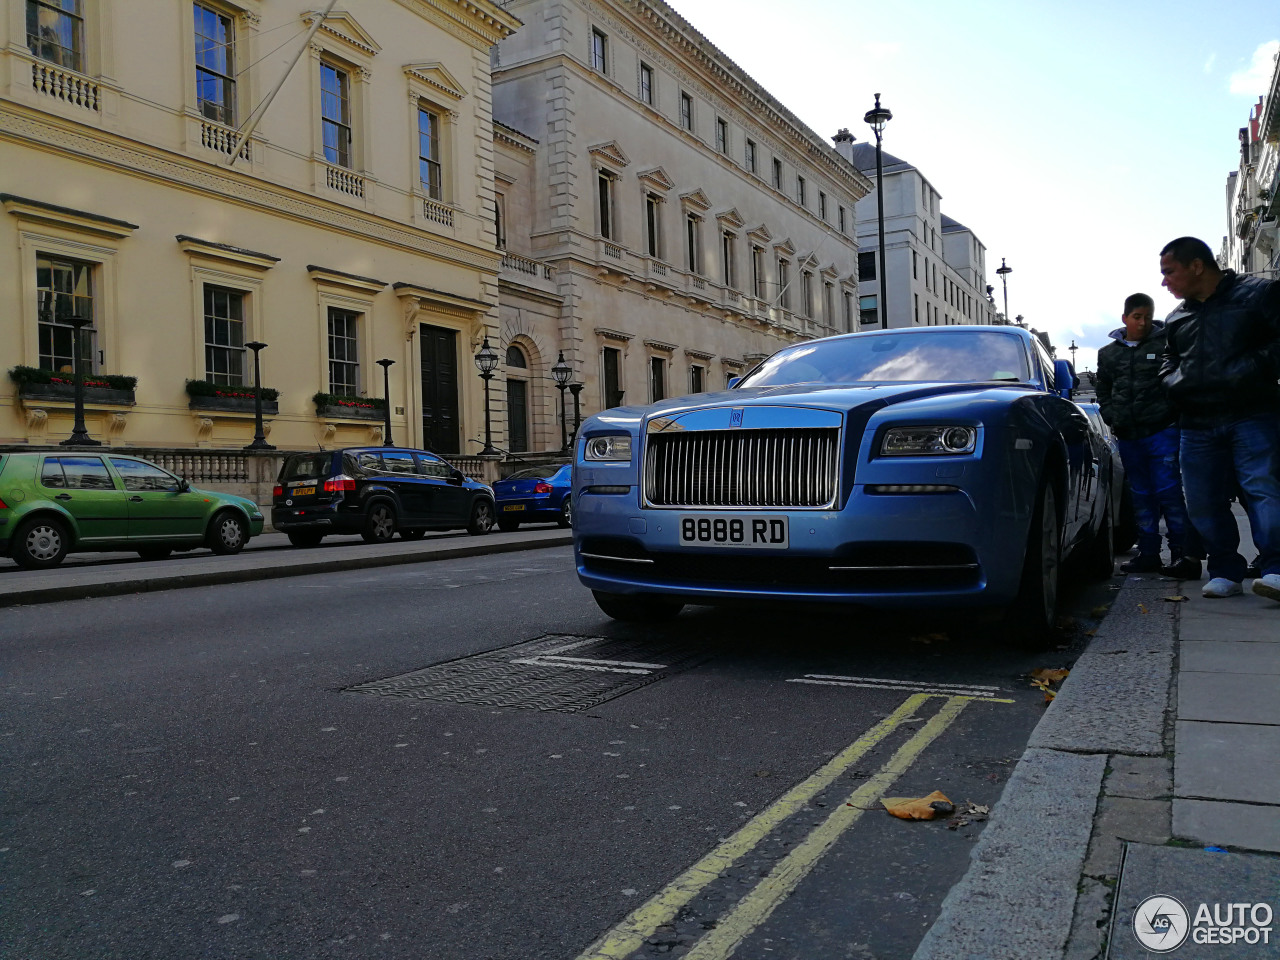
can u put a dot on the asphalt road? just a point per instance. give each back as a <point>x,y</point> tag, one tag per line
<point>191,773</point>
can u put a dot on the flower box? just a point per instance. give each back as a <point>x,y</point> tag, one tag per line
<point>93,395</point>
<point>336,411</point>
<point>233,404</point>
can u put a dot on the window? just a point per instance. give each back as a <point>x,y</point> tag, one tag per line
<point>599,51</point>
<point>686,111</point>
<point>784,284</point>
<point>344,360</point>
<point>429,466</point>
<point>223,336</point>
<point>692,242</point>
<point>499,221</point>
<point>428,152</point>
<point>657,379</point>
<point>800,196</point>
<point>139,477</point>
<point>515,357</point>
<point>64,289</point>
<point>869,316</point>
<point>722,136</point>
<point>653,224</point>
<point>806,293</point>
<point>777,174</point>
<point>604,190</point>
<point>215,66</point>
<point>848,310</point>
<point>915,265</point>
<point>867,265</point>
<point>828,305</point>
<point>840,211</point>
<point>751,156</point>
<point>611,360</point>
<point>822,205</point>
<point>646,83</point>
<point>335,114</point>
<point>399,462</point>
<point>917,296</point>
<point>697,379</point>
<point>76,473</point>
<point>757,272</point>
<point>728,254</point>
<point>926,274</point>
<point>55,32</point>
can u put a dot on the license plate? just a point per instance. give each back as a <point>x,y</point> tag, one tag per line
<point>750,530</point>
<point>302,491</point>
<point>513,506</point>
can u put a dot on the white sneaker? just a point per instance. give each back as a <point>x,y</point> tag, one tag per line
<point>1220,587</point>
<point>1268,586</point>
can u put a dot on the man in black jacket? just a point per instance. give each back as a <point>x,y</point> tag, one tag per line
<point>1131,398</point>
<point>1221,365</point>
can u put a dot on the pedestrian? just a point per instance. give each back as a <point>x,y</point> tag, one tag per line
<point>1221,365</point>
<point>1132,400</point>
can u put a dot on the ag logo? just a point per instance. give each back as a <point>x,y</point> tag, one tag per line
<point>1161,923</point>
<point>735,417</point>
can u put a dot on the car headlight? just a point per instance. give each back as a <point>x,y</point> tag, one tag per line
<point>609,449</point>
<point>926,441</point>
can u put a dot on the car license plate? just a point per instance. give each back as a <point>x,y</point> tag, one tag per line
<point>513,506</point>
<point>749,530</point>
<point>302,491</point>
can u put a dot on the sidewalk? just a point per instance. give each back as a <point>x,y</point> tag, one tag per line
<point>1154,773</point>
<point>265,557</point>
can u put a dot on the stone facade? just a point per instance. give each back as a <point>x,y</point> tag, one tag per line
<point>667,223</point>
<point>354,224</point>
<point>935,267</point>
<point>1252,244</point>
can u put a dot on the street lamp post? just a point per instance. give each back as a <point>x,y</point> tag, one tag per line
<point>1004,272</point>
<point>575,389</point>
<point>386,401</point>
<point>259,435</point>
<point>877,117</point>
<point>1072,348</point>
<point>486,362</point>
<point>79,434</point>
<point>562,372</point>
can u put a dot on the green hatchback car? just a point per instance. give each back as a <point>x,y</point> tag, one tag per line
<point>55,503</point>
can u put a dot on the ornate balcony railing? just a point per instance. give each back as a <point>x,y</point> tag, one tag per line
<point>65,85</point>
<point>612,250</point>
<point>344,181</point>
<point>222,139</point>
<point>534,268</point>
<point>437,212</point>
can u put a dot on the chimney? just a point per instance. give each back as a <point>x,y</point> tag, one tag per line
<point>844,143</point>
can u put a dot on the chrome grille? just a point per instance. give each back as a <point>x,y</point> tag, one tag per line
<point>742,468</point>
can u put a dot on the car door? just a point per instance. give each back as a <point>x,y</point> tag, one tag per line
<point>450,502</point>
<point>159,507</point>
<point>400,474</point>
<point>87,491</point>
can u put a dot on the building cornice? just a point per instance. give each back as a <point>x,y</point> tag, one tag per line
<point>79,220</point>
<point>478,22</point>
<point>225,251</point>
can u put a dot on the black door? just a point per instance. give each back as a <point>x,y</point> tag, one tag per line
<point>439,388</point>
<point>612,377</point>
<point>518,415</point>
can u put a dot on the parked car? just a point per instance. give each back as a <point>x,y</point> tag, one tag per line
<point>910,468</point>
<point>52,504</point>
<point>535,495</point>
<point>1126,524</point>
<point>375,492</point>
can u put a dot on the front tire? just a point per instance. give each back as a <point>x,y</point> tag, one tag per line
<point>1032,617</point>
<point>305,538</point>
<point>481,517</point>
<point>228,533</point>
<point>566,512</point>
<point>379,524</point>
<point>637,607</point>
<point>41,543</point>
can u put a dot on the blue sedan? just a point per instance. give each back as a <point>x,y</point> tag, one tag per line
<point>922,467</point>
<point>535,495</point>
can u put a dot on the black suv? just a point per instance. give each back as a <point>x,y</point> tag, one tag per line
<point>375,492</point>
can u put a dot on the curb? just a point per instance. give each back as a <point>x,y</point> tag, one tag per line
<point>178,581</point>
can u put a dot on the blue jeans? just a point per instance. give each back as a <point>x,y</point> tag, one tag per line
<point>1151,470</point>
<point>1213,460</point>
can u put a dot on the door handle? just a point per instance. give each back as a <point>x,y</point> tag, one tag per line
<point>63,496</point>
<point>135,499</point>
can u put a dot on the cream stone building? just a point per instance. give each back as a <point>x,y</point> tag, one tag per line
<point>356,223</point>
<point>666,222</point>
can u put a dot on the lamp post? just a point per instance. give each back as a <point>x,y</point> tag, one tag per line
<point>562,372</point>
<point>1004,271</point>
<point>486,362</point>
<point>259,436</point>
<point>79,434</point>
<point>1072,348</point>
<point>386,401</point>
<point>575,389</point>
<point>877,117</point>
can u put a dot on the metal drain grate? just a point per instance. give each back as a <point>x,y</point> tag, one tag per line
<point>558,672</point>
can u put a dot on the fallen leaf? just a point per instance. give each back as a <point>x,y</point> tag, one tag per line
<point>1090,633</point>
<point>1043,685</point>
<point>1099,611</point>
<point>1177,599</point>
<point>1053,675</point>
<point>919,808</point>
<point>1142,607</point>
<point>977,810</point>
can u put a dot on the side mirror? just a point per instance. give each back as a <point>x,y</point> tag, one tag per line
<point>183,486</point>
<point>1064,378</point>
<point>457,476</point>
<point>733,382</point>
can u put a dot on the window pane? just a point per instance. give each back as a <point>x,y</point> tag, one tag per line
<point>86,473</point>
<point>143,476</point>
<point>224,335</point>
<point>344,367</point>
<point>64,289</point>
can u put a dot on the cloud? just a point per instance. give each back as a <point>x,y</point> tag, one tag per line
<point>1254,79</point>
<point>1208,64</point>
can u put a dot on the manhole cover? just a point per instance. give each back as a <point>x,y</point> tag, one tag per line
<point>559,672</point>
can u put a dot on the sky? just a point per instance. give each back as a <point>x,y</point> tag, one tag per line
<point>1074,139</point>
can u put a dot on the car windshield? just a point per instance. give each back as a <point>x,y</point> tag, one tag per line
<point>948,356</point>
<point>311,467</point>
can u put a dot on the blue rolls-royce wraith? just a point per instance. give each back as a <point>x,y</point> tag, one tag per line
<point>924,467</point>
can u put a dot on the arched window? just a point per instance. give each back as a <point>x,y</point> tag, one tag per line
<point>517,402</point>
<point>515,357</point>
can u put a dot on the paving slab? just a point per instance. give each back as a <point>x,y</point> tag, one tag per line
<point>1227,761</point>
<point>1193,878</point>
<point>1142,778</point>
<point>1245,619</point>
<point>1120,820</point>
<point>1246,825</point>
<point>1228,698</point>
<point>1020,891</point>
<point>1230,656</point>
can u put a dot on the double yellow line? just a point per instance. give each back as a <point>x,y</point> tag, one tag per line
<point>753,909</point>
